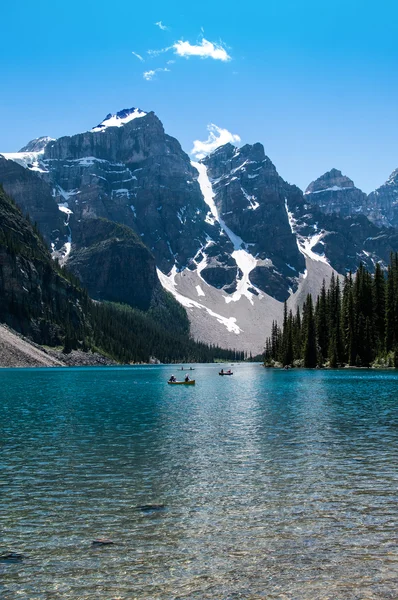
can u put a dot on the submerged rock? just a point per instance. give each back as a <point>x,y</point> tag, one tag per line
<point>12,557</point>
<point>103,542</point>
<point>148,508</point>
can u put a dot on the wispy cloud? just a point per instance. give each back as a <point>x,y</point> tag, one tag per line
<point>205,49</point>
<point>157,52</point>
<point>148,75</point>
<point>217,137</point>
<point>138,56</point>
<point>161,26</point>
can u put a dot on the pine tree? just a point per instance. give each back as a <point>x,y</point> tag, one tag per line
<point>322,324</point>
<point>379,308</point>
<point>309,334</point>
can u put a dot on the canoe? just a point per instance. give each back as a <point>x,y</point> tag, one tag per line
<point>225,373</point>
<point>192,382</point>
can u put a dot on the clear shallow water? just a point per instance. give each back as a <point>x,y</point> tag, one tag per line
<point>277,484</point>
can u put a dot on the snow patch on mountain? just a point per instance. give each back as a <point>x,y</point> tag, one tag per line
<point>64,252</point>
<point>37,144</point>
<point>334,188</point>
<point>27,160</point>
<point>245,261</point>
<point>59,191</point>
<point>252,200</point>
<point>306,244</point>
<point>63,207</point>
<point>169,283</point>
<point>119,119</point>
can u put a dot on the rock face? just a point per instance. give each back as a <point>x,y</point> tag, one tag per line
<point>36,299</point>
<point>33,196</point>
<point>114,264</point>
<point>230,238</point>
<point>250,199</point>
<point>133,173</point>
<point>333,193</point>
<point>341,242</point>
<point>383,202</point>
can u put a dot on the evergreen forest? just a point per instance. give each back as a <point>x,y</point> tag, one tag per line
<point>354,322</point>
<point>43,301</point>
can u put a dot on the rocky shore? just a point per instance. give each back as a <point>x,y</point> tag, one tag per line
<point>17,351</point>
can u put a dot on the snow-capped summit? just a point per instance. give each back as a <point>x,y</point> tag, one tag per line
<point>38,144</point>
<point>120,118</point>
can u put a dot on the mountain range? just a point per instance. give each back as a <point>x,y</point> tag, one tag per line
<point>129,213</point>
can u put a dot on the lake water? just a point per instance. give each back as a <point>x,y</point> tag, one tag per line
<point>276,484</point>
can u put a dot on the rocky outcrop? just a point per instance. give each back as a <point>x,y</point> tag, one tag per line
<point>334,193</point>
<point>250,197</point>
<point>36,298</point>
<point>136,175</point>
<point>383,202</point>
<point>34,197</point>
<point>343,242</point>
<point>114,264</point>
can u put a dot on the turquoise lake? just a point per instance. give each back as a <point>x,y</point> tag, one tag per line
<point>275,484</point>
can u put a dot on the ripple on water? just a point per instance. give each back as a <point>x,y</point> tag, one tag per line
<point>272,484</point>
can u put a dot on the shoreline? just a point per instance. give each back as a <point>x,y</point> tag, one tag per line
<point>16,351</point>
<point>345,367</point>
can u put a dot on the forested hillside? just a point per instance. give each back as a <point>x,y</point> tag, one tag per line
<point>46,303</point>
<point>353,324</point>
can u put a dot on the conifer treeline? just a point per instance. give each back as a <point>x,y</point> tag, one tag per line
<point>130,335</point>
<point>354,324</point>
<point>57,311</point>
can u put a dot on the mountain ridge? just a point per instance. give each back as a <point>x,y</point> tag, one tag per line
<point>230,238</point>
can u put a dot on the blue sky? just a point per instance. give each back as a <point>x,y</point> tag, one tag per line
<point>316,82</point>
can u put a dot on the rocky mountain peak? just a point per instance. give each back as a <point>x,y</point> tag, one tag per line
<point>124,116</point>
<point>332,181</point>
<point>229,236</point>
<point>393,179</point>
<point>37,145</point>
<point>383,202</point>
<point>253,151</point>
<point>128,136</point>
<point>333,192</point>
<point>248,160</point>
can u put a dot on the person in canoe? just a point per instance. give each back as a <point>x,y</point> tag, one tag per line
<point>187,378</point>
<point>222,371</point>
<point>172,379</point>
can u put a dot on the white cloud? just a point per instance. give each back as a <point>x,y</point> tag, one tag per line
<point>138,56</point>
<point>217,137</point>
<point>205,49</point>
<point>148,75</point>
<point>161,26</point>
